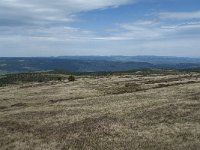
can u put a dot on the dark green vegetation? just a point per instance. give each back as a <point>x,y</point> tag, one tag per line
<point>71,78</point>
<point>28,77</point>
<point>59,75</point>
<point>95,63</point>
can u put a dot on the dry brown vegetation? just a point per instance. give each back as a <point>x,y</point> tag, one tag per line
<point>105,112</point>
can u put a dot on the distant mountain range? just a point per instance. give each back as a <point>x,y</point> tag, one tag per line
<point>94,63</point>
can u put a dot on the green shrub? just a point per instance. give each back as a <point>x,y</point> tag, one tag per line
<point>40,80</point>
<point>59,78</point>
<point>71,78</point>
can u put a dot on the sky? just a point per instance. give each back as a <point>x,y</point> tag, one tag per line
<point>31,28</point>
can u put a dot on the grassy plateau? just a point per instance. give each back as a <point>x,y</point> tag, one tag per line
<point>130,111</point>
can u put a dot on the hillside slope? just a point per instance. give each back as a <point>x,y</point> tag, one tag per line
<point>104,112</point>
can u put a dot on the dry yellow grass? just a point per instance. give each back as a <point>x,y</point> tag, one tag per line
<point>112,112</point>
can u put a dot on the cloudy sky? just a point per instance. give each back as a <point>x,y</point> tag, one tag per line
<point>99,27</point>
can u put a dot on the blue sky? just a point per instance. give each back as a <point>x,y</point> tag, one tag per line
<point>99,27</point>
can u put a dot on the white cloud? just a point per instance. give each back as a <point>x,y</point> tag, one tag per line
<point>36,12</point>
<point>47,19</point>
<point>144,30</point>
<point>180,15</point>
<point>39,28</point>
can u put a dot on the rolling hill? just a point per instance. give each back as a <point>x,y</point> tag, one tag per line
<point>94,63</point>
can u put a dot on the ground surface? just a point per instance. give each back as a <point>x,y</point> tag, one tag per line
<point>108,112</point>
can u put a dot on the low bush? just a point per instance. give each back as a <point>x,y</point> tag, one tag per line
<point>71,78</point>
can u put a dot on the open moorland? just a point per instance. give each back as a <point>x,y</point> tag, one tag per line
<point>116,111</point>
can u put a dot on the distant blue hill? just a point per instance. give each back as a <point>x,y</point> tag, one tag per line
<point>95,63</point>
